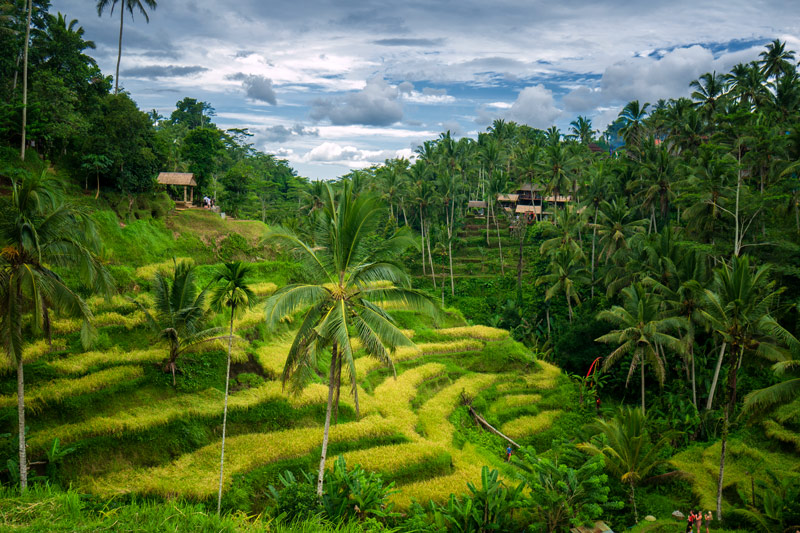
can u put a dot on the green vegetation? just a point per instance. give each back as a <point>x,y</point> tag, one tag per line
<point>667,246</point>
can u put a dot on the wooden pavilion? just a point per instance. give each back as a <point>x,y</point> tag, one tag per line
<point>184,179</point>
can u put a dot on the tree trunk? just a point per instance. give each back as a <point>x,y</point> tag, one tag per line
<point>25,81</point>
<point>430,257</point>
<point>594,242</point>
<point>338,378</point>
<point>119,49</point>
<point>519,262</point>
<point>450,253</point>
<point>722,466</point>
<point>23,459</point>
<point>321,477</point>
<point>732,375</point>
<point>422,236</point>
<point>500,246</point>
<point>694,381</point>
<point>716,377</point>
<point>569,307</point>
<point>225,414</point>
<point>97,194</point>
<point>633,501</point>
<point>641,368</point>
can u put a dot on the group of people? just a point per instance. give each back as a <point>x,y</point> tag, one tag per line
<point>697,518</point>
<point>208,203</point>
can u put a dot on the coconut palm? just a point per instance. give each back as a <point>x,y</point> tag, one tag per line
<point>627,448</point>
<point>354,279</point>
<point>180,314</point>
<point>39,232</point>
<point>232,292</point>
<point>25,79</point>
<point>643,332</point>
<point>130,5</point>
<point>616,226</point>
<point>632,117</point>
<point>555,168</point>
<point>566,272</point>
<point>738,310</point>
<point>708,89</point>
<point>776,60</point>
<point>581,129</point>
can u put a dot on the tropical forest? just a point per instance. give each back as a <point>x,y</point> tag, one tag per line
<point>521,329</point>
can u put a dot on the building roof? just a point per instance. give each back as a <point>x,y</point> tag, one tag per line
<point>525,187</point>
<point>559,199</point>
<point>594,147</point>
<point>507,197</point>
<point>526,209</point>
<point>177,178</point>
<point>476,203</point>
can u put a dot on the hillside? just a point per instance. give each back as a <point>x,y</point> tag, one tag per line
<point>132,433</point>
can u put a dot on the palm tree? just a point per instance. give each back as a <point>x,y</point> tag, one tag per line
<point>353,276</point>
<point>39,232</point>
<point>232,292</point>
<point>616,226</point>
<point>776,61</point>
<point>632,117</point>
<point>627,449</point>
<point>180,313</point>
<point>566,270</point>
<point>658,172</point>
<point>581,129</point>
<point>643,332</point>
<point>130,5</point>
<point>555,168</point>
<point>708,89</point>
<point>25,80</point>
<point>738,309</point>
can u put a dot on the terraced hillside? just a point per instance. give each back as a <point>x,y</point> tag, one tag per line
<point>125,431</point>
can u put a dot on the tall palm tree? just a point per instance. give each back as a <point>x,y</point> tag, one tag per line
<point>180,314</point>
<point>776,60</point>
<point>39,232</point>
<point>632,117</point>
<point>642,332</point>
<point>708,89</point>
<point>616,226</point>
<point>25,80</point>
<point>738,308</point>
<point>627,449</point>
<point>555,168</point>
<point>581,129</point>
<point>352,276</point>
<point>130,5</point>
<point>232,292</point>
<point>566,272</point>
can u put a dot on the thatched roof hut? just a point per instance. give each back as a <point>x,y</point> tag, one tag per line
<point>476,204</point>
<point>180,179</point>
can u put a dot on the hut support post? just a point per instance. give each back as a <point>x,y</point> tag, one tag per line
<point>184,194</point>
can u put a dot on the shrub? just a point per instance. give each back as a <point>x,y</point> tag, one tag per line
<point>355,494</point>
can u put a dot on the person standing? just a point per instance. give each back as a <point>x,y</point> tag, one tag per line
<point>690,522</point>
<point>509,451</point>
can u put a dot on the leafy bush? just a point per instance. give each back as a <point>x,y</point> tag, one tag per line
<point>355,494</point>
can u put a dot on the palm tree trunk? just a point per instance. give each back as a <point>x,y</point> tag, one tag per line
<point>119,49</point>
<point>225,415</point>
<point>519,262</point>
<point>633,501</point>
<point>732,375</point>
<point>500,246</point>
<point>594,242</point>
<point>25,82</point>
<point>716,377</point>
<point>722,466</point>
<point>331,378</point>
<point>338,377</point>
<point>23,460</point>
<point>569,307</point>
<point>694,382</point>
<point>450,254</point>
<point>422,236</point>
<point>642,373</point>
<point>430,257</point>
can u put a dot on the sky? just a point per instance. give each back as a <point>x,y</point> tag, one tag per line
<point>333,86</point>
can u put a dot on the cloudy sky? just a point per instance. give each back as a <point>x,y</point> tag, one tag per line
<point>332,86</point>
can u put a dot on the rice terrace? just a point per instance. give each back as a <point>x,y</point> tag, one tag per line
<point>389,267</point>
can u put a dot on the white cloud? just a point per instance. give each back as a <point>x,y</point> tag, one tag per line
<point>350,156</point>
<point>535,107</point>
<point>378,104</point>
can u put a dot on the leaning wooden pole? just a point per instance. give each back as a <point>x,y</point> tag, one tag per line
<point>482,421</point>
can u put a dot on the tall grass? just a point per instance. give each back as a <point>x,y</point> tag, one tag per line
<point>59,389</point>
<point>195,475</point>
<point>485,333</point>
<point>31,353</point>
<point>514,401</point>
<point>433,415</point>
<point>525,426</point>
<point>80,363</point>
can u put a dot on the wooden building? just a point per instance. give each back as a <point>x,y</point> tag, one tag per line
<point>180,179</point>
